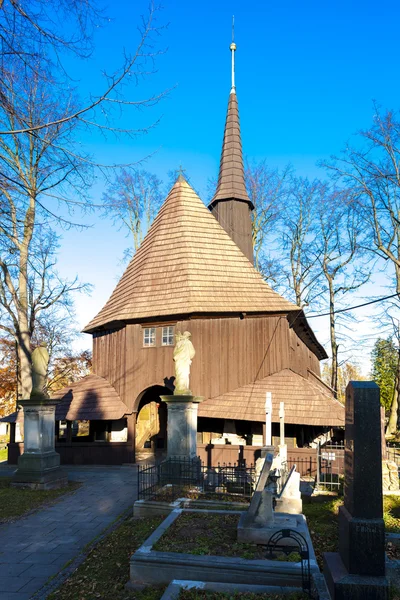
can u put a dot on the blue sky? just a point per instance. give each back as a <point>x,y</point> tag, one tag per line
<point>307,74</point>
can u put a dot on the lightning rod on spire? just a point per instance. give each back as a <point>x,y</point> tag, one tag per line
<point>233,48</point>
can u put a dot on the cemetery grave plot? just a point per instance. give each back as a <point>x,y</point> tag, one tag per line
<point>104,572</point>
<point>16,502</point>
<point>170,493</point>
<point>212,534</point>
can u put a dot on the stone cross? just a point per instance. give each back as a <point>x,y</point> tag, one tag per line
<point>268,418</point>
<point>282,422</point>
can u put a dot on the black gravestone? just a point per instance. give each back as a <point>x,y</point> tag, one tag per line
<point>358,571</point>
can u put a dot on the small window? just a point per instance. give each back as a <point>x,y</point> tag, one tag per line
<point>149,336</point>
<point>167,336</point>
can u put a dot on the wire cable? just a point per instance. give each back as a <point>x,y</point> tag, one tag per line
<point>341,310</point>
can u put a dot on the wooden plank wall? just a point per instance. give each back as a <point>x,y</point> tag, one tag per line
<point>230,352</point>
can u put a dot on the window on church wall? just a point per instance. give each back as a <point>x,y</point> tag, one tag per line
<point>167,337</point>
<point>149,336</point>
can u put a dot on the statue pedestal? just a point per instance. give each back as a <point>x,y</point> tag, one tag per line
<point>39,465</point>
<point>182,425</point>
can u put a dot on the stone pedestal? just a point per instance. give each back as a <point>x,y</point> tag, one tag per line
<point>182,425</point>
<point>358,570</point>
<point>39,465</point>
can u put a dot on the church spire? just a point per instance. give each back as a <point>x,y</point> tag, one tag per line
<point>231,204</point>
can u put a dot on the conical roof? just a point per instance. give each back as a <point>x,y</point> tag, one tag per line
<point>231,170</point>
<point>187,264</point>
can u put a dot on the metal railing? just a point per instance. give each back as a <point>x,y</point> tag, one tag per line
<point>325,468</point>
<point>175,477</point>
<point>393,454</point>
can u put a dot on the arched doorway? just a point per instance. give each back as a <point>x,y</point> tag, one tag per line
<point>151,422</point>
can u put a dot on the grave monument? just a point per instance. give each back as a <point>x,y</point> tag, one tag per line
<point>182,405</point>
<point>39,465</point>
<point>260,522</point>
<point>357,571</point>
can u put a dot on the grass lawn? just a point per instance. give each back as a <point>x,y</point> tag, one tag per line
<point>212,535</point>
<point>3,454</point>
<point>322,515</point>
<point>105,571</point>
<point>16,502</point>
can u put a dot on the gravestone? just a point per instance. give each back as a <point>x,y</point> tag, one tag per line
<point>39,465</point>
<point>260,522</point>
<point>357,571</point>
<point>289,500</point>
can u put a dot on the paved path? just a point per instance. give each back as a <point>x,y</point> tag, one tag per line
<point>36,547</point>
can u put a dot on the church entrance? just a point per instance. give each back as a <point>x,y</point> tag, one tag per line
<point>151,423</point>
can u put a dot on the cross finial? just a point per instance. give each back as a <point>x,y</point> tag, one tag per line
<point>181,173</point>
<point>233,48</point>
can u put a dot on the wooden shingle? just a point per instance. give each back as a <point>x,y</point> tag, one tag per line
<point>188,264</point>
<point>306,402</point>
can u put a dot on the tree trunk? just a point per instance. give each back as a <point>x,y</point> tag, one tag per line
<point>334,346</point>
<point>25,361</point>
<point>392,424</point>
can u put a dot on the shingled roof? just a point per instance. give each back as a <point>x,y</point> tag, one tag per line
<point>306,402</point>
<point>91,398</point>
<point>231,171</point>
<point>187,264</point>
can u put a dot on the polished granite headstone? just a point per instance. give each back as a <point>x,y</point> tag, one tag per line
<point>358,570</point>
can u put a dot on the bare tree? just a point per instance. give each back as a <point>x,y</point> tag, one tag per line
<point>43,176</point>
<point>267,190</point>
<point>55,327</point>
<point>37,33</point>
<point>300,231</point>
<point>35,170</point>
<point>341,237</point>
<point>132,200</point>
<point>371,169</point>
<point>30,287</point>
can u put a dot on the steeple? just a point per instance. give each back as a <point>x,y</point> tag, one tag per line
<point>231,204</point>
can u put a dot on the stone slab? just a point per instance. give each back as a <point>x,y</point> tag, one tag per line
<point>257,534</point>
<point>148,508</point>
<point>344,586</point>
<point>175,587</point>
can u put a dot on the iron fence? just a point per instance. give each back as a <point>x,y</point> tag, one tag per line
<point>175,478</point>
<point>393,454</point>
<point>325,468</point>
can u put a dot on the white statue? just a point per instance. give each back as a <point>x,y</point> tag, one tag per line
<point>183,354</point>
<point>40,363</point>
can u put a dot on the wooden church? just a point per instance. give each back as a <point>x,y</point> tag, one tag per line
<point>194,271</point>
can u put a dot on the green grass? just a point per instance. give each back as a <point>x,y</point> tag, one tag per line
<point>212,535</point>
<point>3,454</point>
<point>322,514</point>
<point>15,502</point>
<point>105,571</point>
